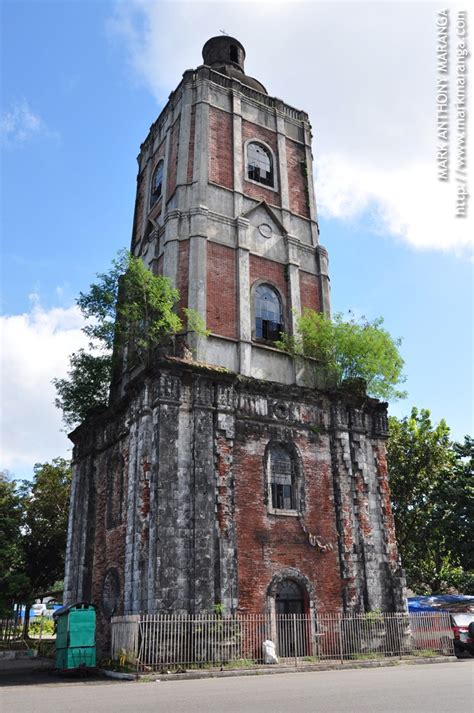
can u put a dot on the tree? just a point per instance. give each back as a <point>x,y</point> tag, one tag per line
<point>128,308</point>
<point>46,505</point>
<point>86,386</point>
<point>13,583</point>
<point>433,500</point>
<point>350,351</point>
<point>129,303</point>
<point>33,531</point>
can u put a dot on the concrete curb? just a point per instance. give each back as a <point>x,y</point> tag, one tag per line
<point>118,675</point>
<point>374,663</point>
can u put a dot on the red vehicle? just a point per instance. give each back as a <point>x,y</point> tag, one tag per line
<point>463,630</point>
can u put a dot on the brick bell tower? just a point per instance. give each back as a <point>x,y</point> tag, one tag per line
<point>251,486</point>
<point>226,209</point>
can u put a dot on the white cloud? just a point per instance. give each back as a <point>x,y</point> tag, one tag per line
<point>366,74</point>
<point>35,349</point>
<point>404,202</point>
<point>19,124</point>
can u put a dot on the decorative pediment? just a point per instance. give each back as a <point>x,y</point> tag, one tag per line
<point>262,214</point>
<point>265,235</point>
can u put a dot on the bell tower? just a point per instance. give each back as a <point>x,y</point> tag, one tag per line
<point>197,487</point>
<point>226,209</point>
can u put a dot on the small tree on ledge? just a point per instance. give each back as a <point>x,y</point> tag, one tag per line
<point>127,310</point>
<point>350,351</point>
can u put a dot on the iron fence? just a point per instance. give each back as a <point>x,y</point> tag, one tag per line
<point>170,641</point>
<point>11,630</point>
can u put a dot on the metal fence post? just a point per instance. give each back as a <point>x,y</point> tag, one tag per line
<point>341,650</point>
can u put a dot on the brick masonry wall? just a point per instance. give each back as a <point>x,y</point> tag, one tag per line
<point>221,170</point>
<point>254,131</point>
<point>192,130</point>
<point>183,274</point>
<point>221,290</point>
<point>268,543</point>
<point>190,525</point>
<point>109,550</point>
<point>173,160</point>
<point>139,206</point>
<point>309,291</point>
<point>297,179</point>
<point>158,266</point>
<point>274,272</point>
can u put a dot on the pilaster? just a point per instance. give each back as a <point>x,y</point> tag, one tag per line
<point>243,286</point>
<point>237,151</point>
<point>283,171</point>
<point>197,288</point>
<point>201,145</point>
<point>324,285</point>
<point>184,135</point>
<point>170,246</point>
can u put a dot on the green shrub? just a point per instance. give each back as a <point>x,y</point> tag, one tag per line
<point>35,627</point>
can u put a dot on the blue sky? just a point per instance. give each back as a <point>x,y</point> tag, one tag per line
<point>83,81</point>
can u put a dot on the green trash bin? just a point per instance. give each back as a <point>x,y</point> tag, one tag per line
<point>75,636</point>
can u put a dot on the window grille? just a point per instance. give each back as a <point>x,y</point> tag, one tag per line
<point>259,164</point>
<point>268,313</point>
<point>156,184</point>
<point>282,478</point>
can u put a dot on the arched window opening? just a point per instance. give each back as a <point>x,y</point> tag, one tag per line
<point>282,478</point>
<point>156,184</point>
<point>289,598</point>
<point>259,164</point>
<point>234,53</point>
<point>268,313</point>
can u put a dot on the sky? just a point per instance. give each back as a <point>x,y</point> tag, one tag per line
<point>83,81</point>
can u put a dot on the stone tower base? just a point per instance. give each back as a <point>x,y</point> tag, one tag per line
<point>175,498</point>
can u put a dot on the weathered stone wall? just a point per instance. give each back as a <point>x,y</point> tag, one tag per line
<point>171,508</point>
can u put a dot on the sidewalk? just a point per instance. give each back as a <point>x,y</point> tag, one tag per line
<point>303,668</point>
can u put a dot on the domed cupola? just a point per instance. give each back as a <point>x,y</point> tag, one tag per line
<point>226,55</point>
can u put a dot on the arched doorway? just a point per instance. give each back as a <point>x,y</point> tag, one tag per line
<point>290,619</point>
<point>289,598</point>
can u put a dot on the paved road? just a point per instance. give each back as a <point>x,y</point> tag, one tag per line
<point>434,688</point>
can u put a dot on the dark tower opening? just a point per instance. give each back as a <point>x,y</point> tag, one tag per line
<point>226,55</point>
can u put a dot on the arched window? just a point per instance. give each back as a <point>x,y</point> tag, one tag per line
<point>289,598</point>
<point>156,184</point>
<point>259,164</point>
<point>282,478</point>
<point>234,53</point>
<point>268,313</point>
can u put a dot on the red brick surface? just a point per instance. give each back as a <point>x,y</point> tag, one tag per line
<point>221,290</point>
<point>266,543</point>
<point>173,160</point>
<point>109,548</point>
<point>190,169</point>
<point>274,272</point>
<point>297,180</point>
<point>183,274</point>
<point>385,497</point>
<point>309,291</point>
<point>260,133</point>
<point>138,216</point>
<point>221,169</point>
<point>158,266</point>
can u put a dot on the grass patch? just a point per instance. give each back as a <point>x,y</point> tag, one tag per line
<point>239,663</point>
<point>366,657</point>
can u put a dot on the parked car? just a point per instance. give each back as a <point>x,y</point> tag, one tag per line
<point>461,611</point>
<point>463,629</point>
